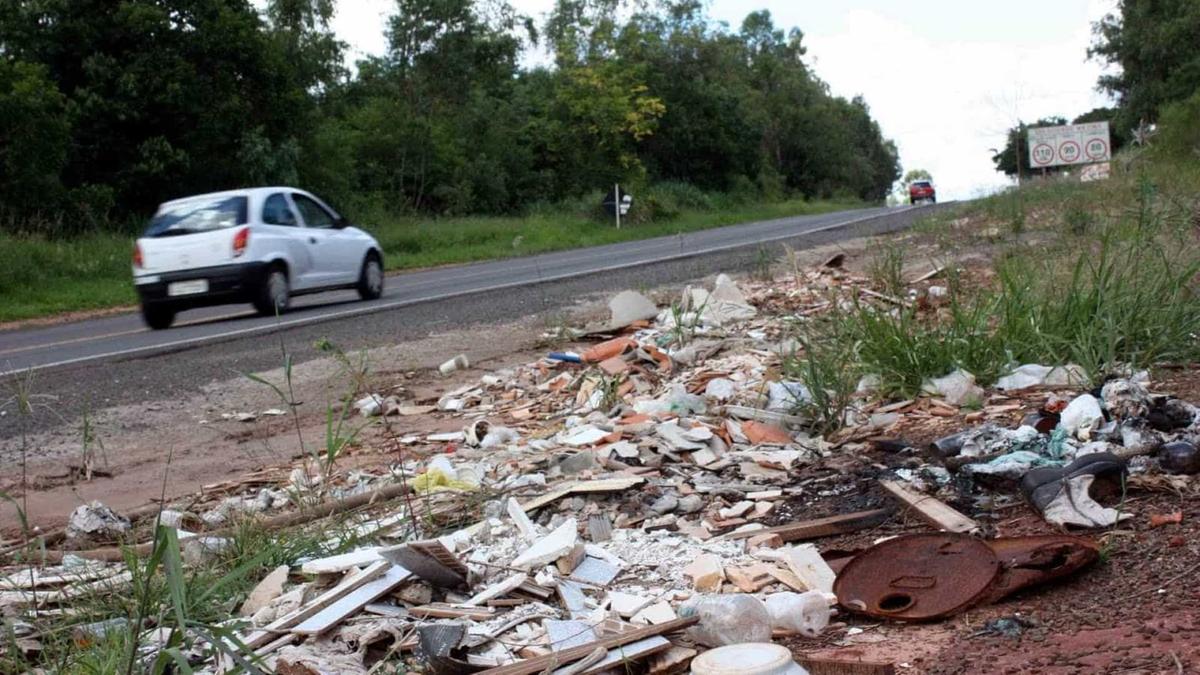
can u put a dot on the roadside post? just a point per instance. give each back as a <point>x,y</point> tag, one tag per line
<point>617,203</point>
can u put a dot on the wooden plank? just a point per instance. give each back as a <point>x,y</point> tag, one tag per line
<point>343,562</point>
<point>930,509</point>
<point>848,665</point>
<point>497,590</point>
<point>600,485</point>
<point>820,527</point>
<point>440,611</point>
<point>534,589</point>
<point>353,602</point>
<point>351,583</point>
<point>540,663</point>
<point>630,652</point>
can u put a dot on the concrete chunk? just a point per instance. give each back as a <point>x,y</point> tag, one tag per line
<point>549,548</point>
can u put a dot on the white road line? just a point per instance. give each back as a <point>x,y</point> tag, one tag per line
<point>371,309</point>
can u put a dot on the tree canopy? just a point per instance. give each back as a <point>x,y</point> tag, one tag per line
<point>107,108</point>
<point>1155,46</point>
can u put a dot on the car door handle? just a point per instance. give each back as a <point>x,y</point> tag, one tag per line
<point>312,240</point>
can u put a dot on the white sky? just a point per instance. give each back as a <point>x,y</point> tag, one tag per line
<point>945,78</point>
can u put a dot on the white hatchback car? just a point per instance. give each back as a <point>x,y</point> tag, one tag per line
<point>260,245</point>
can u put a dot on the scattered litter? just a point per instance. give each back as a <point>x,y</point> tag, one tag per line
<point>457,363</point>
<point>958,388</point>
<point>95,522</point>
<point>628,307</point>
<point>1034,375</point>
<point>582,511</point>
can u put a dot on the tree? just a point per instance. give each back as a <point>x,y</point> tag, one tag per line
<point>34,135</point>
<point>1156,46</point>
<point>169,97</point>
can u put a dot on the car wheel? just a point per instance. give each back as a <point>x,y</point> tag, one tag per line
<point>370,280</point>
<point>274,294</point>
<point>158,317</point>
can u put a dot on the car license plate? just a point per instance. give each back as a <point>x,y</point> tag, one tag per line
<point>187,287</point>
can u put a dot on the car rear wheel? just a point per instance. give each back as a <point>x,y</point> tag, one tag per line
<point>158,317</point>
<point>370,280</point>
<point>274,294</point>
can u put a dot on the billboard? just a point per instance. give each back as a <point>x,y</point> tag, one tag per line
<point>1069,145</point>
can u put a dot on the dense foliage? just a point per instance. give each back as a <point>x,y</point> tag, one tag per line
<point>107,108</point>
<point>1155,46</point>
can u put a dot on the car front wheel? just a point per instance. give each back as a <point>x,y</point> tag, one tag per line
<point>370,280</point>
<point>274,294</point>
<point>158,317</point>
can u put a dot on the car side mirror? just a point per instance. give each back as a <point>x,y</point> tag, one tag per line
<point>341,223</point>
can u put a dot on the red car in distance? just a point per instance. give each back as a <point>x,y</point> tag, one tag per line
<point>921,190</point>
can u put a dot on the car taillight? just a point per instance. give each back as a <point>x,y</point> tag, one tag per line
<point>240,241</point>
<point>137,256</point>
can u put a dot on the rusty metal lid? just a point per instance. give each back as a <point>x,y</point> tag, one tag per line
<point>918,577</point>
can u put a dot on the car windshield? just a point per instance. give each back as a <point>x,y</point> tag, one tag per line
<point>198,215</point>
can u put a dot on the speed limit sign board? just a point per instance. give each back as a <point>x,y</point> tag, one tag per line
<point>1069,144</point>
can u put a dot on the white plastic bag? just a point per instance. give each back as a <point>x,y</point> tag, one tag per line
<point>805,613</point>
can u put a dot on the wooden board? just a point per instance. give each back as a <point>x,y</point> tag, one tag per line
<point>930,509</point>
<point>353,602</point>
<point>820,527</point>
<point>541,663</point>
<point>343,562</point>
<point>350,584</point>
<point>439,611</point>
<point>630,652</point>
<point>845,666</point>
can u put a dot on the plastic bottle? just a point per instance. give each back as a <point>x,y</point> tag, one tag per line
<point>728,619</point>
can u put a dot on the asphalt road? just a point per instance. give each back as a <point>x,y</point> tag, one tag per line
<point>99,362</point>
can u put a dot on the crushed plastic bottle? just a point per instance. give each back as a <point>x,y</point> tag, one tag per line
<point>728,619</point>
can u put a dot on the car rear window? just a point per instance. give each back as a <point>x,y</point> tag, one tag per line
<point>922,184</point>
<point>198,215</point>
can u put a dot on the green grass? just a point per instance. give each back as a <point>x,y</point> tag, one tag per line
<point>42,277</point>
<point>1102,275</point>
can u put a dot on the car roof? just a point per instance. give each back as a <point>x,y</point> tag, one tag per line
<point>243,192</point>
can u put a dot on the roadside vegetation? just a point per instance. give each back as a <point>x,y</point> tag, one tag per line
<point>1105,275</point>
<point>42,275</point>
<point>446,144</point>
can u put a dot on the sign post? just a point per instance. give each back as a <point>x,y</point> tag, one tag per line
<point>617,191</point>
<point>1070,145</point>
<point>617,203</point>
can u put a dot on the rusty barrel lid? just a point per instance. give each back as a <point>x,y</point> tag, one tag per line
<point>918,577</point>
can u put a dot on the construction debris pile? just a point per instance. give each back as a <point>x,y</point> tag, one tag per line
<point>643,500</point>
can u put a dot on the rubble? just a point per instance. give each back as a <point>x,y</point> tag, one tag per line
<point>659,490</point>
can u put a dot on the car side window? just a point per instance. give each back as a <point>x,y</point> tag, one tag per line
<point>314,214</point>
<point>277,212</point>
